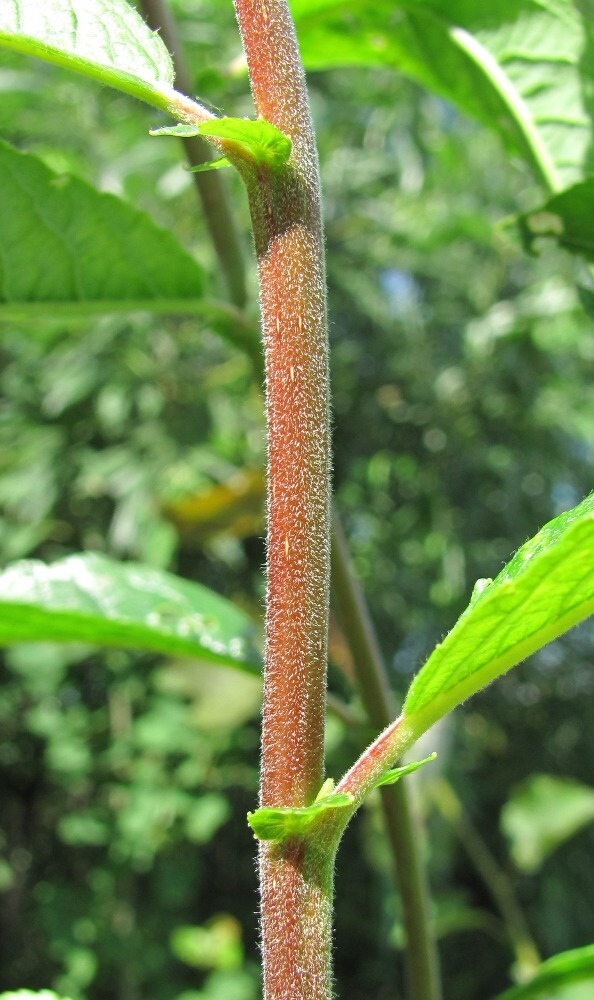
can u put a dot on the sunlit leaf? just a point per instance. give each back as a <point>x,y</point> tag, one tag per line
<point>235,507</point>
<point>543,813</point>
<point>92,599</point>
<point>215,945</point>
<point>546,588</point>
<point>32,995</point>
<point>522,67</point>
<point>106,40</point>
<point>555,976</point>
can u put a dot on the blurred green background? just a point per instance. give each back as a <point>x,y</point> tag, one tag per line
<point>463,420</point>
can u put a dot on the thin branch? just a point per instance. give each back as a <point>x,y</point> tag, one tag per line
<point>493,875</point>
<point>402,823</point>
<point>210,185</point>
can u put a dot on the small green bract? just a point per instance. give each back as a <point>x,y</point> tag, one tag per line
<point>258,141</point>
<point>278,824</point>
<point>395,773</point>
<point>285,821</point>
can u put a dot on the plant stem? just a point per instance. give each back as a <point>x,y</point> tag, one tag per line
<point>402,824</point>
<point>285,207</point>
<point>296,878</point>
<point>210,186</point>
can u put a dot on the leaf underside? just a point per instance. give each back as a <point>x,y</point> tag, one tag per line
<point>521,67</point>
<point>106,40</point>
<point>63,242</point>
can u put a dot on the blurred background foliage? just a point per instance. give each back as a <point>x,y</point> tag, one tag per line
<point>462,392</point>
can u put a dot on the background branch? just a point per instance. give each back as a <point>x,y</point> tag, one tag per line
<point>210,186</point>
<point>402,823</point>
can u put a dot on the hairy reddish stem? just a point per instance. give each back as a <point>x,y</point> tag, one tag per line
<point>286,218</point>
<point>285,208</point>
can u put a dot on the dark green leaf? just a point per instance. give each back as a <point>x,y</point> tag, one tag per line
<point>546,588</point>
<point>65,245</point>
<point>565,218</point>
<point>92,599</point>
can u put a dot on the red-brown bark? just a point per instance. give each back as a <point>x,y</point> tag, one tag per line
<point>285,208</point>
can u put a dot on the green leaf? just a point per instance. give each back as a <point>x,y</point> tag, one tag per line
<point>565,218</point>
<point>257,141</point>
<point>68,249</point>
<point>106,40</point>
<point>65,245</point>
<point>546,588</point>
<point>92,599</point>
<point>576,966</point>
<point>522,67</point>
<point>278,824</point>
<point>395,773</point>
<point>541,814</point>
<point>215,945</point>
